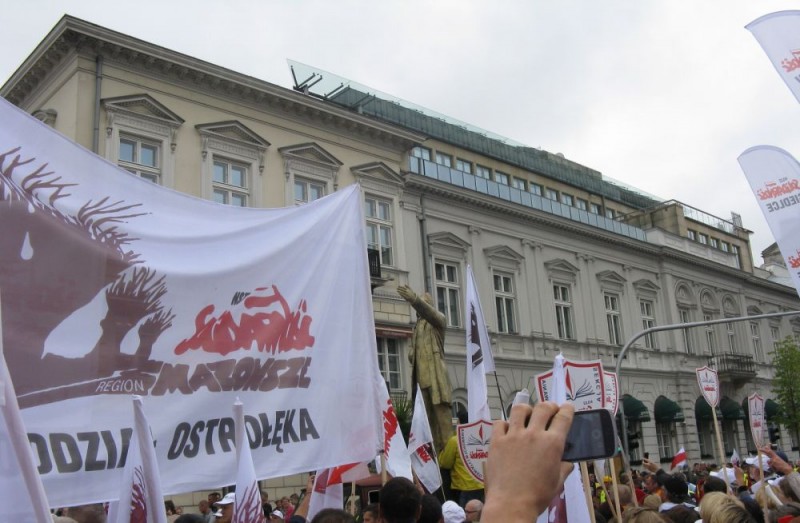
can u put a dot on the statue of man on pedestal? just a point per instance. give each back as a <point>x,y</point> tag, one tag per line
<point>427,362</point>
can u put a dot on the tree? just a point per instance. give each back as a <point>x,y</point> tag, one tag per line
<point>785,384</point>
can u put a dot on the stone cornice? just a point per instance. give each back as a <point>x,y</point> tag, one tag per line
<point>72,34</point>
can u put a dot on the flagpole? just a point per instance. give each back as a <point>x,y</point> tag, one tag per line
<point>720,448</point>
<point>587,493</point>
<point>615,486</point>
<point>500,395</point>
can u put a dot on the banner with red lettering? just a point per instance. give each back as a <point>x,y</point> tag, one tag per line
<point>774,176</point>
<point>112,286</point>
<point>779,36</point>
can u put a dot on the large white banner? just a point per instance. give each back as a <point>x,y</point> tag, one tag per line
<point>779,36</point>
<point>774,176</point>
<point>113,286</point>
<point>479,354</point>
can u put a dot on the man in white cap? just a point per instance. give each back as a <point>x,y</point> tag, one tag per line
<point>276,516</point>
<point>225,506</point>
<point>452,513</point>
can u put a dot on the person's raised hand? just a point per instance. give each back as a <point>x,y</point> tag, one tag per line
<point>524,471</point>
<point>649,465</point>
<point>776,463</point>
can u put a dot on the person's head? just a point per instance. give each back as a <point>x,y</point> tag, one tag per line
<point>370,513</point>
<point>264,496</point>
<point>651,483</point>
<point>213,497</point>
<point>333,515</point>
<point>642,515</point>
<point>276,516</point>
<point>190,518</point>
<point>452,513</point>
<point>294,499</point>
<point>680,514</point>
<point>625,497</point>
<point>92,513</point>
<point>715,484</point>
<point>399,501</point>
<point>676,488</point>
<point>473,509</point>
<point>652,501</point>
<point>731,514</point>
<point>203,506</point>
<point>169,507</point>
<point>225,508</point>
<point>713,502</point>
<point>431,509</point>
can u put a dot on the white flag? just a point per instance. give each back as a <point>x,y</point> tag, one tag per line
<point>328,489</point>
<point>479,354</point>
<point>774,176</point>
<point>141,497</point>
<point>570,503</point>
<point>247,508</point>
<point>19,479</point>
<point>420,447</point>
<point>779,36</point>
<point>398,463</point>
<point>736,459</point>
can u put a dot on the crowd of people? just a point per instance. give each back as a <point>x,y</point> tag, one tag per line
<point>524,472</point>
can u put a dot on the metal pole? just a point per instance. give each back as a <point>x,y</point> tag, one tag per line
<point>676,326</point>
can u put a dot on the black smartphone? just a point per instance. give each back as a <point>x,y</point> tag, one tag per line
<point>646,455</point>
<point>593,435</point>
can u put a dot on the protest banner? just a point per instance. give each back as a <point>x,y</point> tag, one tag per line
<point>114,286</point>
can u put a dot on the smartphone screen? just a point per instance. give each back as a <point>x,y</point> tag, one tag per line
<point>591,436</point>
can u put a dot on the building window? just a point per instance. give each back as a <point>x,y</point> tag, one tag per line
<point>594,208</point>
<point>519,183</point>
<point>567,199</point>
<point>504,302</point>
<point>613,319</point>
<point>444,159</point>
<point>464,165</point>
<point>141,157</point>
<point>379,227</point>
<point>691,235</point>
<point>685,316</point>
<point>730,332</point>
<point>648,322</point>
<point>730,434</point>
<point>755,336</point>
<point>664,432</point>
<point>702,238</point>
<point>501,177</point>
<point>536,189</point>
<point>422,153</point>
<point>714,242</point>
<point>735,252</point>
<point>705,436</point>
<point>563,303</point>
<point>307,191</point>
<point>775,331</point>
<point>483,172</point>
<point>581,204</point>
<point>389,362</point>
<point>230,182</point>
<point>551,194</point>
<point>447,292</point>
<point>724,246</point>
<point>711,340</point>
<point>611,213</point>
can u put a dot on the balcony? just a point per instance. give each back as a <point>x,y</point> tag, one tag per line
<point>737,368</point>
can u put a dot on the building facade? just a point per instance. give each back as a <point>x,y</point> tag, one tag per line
<point>565,260</point>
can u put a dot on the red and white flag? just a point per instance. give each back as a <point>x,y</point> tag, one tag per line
<point>679,459</point>
<point>420,447</point>
<point>479,354</point>
<point>247,508</point>
<point>779,36</point>
<point>570,504</point>
<point>328,490</point>
<point>398,463</point>
<point>141,497</point>
<point>736,460</point>
<point>774,176</point>
<point>19,479</point>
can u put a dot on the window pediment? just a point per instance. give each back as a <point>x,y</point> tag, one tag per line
<point>560,269</point>
<point>448,243</point>
<point>503,256</point>
<point>377,172</point>
<point>752,310</point>
<point>143,106</point>
<point>646,287</point>
<point>610,280</point>
<point>708,301</point>
<point>233,131</point>
<point>729,306</point>
<point>310,152</point>
<point>684,295</point>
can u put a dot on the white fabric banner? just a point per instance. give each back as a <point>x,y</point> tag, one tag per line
<point>779,36</point>
<point>479,354</point>
<point>774,176</point>
<point>420,447</point>
<point>755,416</point>
<point>247,507</point>
<point>398,463</point>
<point>114,286</point>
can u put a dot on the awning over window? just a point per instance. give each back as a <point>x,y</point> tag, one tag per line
<point>634,409</point>
<point>730,409</point>
<point>771,409</point>
<point>702,410</point>
<point>666,410</point>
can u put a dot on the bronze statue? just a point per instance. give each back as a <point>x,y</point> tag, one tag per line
<point>427,361</point>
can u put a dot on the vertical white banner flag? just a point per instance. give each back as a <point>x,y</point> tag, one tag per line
<point>19,479</point>
<point>570,504</point>
<point>394,446</point>
<point>420,447</point>
<point>774,176</point>
<point>779,36</point>
<point>479,354</point>
<point>247,508</point>
<point>141,497</point>
<point>755,412</point>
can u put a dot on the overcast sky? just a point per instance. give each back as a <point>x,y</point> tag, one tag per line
<point>660,94</point>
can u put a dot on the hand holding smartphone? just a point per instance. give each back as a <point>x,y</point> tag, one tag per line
<point>593,435</point>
